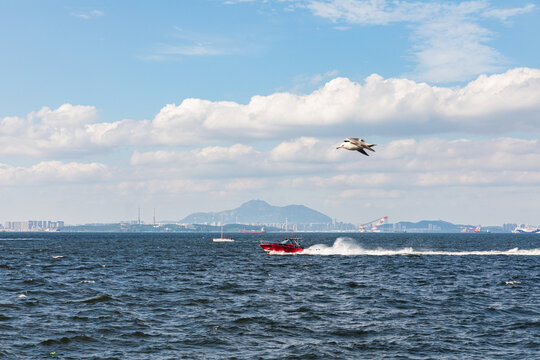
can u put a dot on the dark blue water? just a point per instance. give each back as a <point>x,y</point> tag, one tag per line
<point>181,296</point>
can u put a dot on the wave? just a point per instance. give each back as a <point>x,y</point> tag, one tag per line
<point>348,246</point>
<point>98,299</point>
<point>68,339</point>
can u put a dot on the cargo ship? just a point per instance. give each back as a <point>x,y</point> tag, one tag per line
<point>254,231</point>
<point>526,229</point>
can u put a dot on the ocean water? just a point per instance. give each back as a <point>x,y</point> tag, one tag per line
<point>350,296</point>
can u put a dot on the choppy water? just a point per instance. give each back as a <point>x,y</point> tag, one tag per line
<point>176,296</point>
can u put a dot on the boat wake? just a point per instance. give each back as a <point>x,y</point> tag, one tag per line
<point>348,246</point>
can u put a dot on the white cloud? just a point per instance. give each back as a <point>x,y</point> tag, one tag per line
<point>499,104</point>
<point>87,14</point>
<point>47,131</point>
<point>375,12</point>
<point>66,116</point>
<point>233,2</point>
<point>12,125</point>
<point>310,171</point>
<point>372,194</point>
<point>185,43</point>
<point>400,163</point>
<point>454,50</point>
<point>301,150</point>
<point>205,155</point>
<point>380,106</point>
<point>399,173</point>
<point>119,133</point>
<point>450,45</point>
<point>52,172</point>
<point>504,14</point>
<point>302,82</point>
<point>477,178</point>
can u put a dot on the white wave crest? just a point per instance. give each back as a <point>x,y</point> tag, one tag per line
<point>348,246</point>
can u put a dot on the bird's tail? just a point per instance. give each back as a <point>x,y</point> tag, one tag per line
<point>370,145</point>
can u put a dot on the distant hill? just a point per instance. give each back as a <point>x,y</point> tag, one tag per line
<point>443,226</point>
<point>260,212</point>
<point>437,226</point>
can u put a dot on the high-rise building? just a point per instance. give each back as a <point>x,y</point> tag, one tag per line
<point>509,227</point>
<point>33,225</point>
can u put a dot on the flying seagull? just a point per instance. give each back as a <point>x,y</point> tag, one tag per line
<point>356,144</point>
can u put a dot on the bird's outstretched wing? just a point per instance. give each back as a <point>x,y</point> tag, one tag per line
<point>354,141</point>
<point>363,151</point>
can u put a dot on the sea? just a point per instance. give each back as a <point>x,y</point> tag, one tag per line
<point>347,296</point>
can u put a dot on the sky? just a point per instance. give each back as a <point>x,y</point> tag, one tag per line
<point>201,105</point>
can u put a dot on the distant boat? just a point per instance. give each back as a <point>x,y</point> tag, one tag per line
<point>526,229</point>
<point>222,239</point>
<point>254,231</point>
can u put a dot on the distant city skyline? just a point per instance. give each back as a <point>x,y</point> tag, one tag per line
<point>216,102</point>
<point>334,226</point>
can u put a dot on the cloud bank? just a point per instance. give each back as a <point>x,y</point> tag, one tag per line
<point>282,148</point>
<point>504,103</point>
<point>52,172</point>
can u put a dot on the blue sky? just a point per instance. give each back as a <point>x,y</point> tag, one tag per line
<point>129,58</point>
<point>200,105</point>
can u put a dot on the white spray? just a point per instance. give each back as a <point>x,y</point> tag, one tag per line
<point>348,246</point>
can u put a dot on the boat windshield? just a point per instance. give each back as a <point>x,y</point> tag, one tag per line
<point>291,240</point>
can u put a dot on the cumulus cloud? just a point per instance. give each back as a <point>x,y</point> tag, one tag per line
<point>398,164</point>
<point>52,172</point>
<point>502,103</point>
<point>449,43</point>
<point>305,170</point>
<point>205,155</point>
<point>304,149</point>
<point>400,173</point>
<point>47,131</point>
<point>379,106</point>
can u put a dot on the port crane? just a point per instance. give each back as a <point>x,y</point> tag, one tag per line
<point>373,228</point>
<point>467,229</point>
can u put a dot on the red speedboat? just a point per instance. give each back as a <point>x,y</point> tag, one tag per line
<point>289,245</point>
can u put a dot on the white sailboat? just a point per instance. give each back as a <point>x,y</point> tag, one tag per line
<point>222,239</point>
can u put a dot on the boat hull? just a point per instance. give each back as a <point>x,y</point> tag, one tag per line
<point>282,248</point>
<point>526,231</point>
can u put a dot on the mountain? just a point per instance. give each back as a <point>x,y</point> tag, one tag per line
<point>260,212</point>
